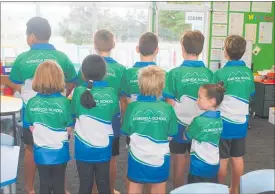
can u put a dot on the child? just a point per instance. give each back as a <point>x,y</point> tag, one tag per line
<point>183,84</point>
<point>38,35</point>
<point>239,85</point>
<point>94,105</point>
<point>104,43</point>
<point>149,122</point>
<point>148,49</point>
<point>205,131</point>
<point>49,116</point>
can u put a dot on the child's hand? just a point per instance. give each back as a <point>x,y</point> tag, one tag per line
<point>69,130</point>
<point>31,128</point>
<point>170,138</point>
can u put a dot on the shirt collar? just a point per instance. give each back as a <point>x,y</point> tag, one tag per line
<point>42,46</point>
<point>57,94</point>
<point>98,84</point>
<point>144,64</point>
<point>146,98</point>
<point>211,114</point>
<point>192,63</point>
<point>235,63</point>
<point>109,60</point>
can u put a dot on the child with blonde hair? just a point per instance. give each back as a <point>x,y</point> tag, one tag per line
<point>48,114</point>
<point>150,123</point>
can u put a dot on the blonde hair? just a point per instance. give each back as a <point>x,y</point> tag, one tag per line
<point>48,78</point>
<point>151,81</point>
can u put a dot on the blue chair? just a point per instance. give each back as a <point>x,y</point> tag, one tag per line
<point>258,181</point>
<point>7,140</point>
<point>202,188</point>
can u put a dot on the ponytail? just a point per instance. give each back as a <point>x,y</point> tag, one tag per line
<point>87,99</point>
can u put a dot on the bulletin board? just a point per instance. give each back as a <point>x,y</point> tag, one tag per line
<point>255,21</point>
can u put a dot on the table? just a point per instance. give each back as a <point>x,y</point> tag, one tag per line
<point>9,107</point>
<point>9,166</point>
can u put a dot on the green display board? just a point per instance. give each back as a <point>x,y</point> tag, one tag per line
<point>265,59</point>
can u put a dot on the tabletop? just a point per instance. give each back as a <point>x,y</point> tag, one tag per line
<point>9,164</point>
<point>11,104</point>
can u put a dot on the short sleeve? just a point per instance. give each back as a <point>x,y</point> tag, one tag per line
<point>15,75</point>
<point>193,129</point>
<point>27,116</point>
<point>69,117</point>
<point>252,89</point>
<point>127,121</point>
<point>173,124</point>
<point>69,71</point>
<point>125,85</point>
<point>169,90</point>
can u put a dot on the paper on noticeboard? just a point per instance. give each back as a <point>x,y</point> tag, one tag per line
<point>220,6</point>
<point>264,7</point>
<point>236,21</point>
<point>214,66</point>
<point>265,32</point>
<point>215,54</point>
<point>250,32</point>
<point>219,30</point>
<point>217,42</point>
<point>219,18</point>
<point>240,6</point>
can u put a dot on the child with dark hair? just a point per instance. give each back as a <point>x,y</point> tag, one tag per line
<point>205,131</point>
<point>94,105</point>
<point>38,35</point>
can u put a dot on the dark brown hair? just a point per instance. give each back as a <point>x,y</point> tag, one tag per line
<point>104,40</point>
<point>48,78</point>
<point>93,69</point>
<point>193,41</point>
<point>148,43</point>
<point>235,46</point>
<point>40,28</point>
<point>215,91</point>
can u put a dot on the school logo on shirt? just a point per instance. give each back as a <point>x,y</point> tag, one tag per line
<point>238,77</point>
<point>110,72</point>
<point>40,57</point>
<point>103,100</point>
<point>213,127</point>
<point>149,116</point>
<point>46,108</point>
<point>194,78</point>
<point>134,79</point>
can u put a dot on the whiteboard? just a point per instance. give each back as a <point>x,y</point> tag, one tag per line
<point>247,57</point>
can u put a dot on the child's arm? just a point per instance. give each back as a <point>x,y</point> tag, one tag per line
<point>123,105</point>
<point>70,75</point>
<point>127,121</point>
<point>173,124</point>
<point>169,90</point>
<point>15,80</point>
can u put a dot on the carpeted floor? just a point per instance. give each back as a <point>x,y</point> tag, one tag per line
<point>260,155</point>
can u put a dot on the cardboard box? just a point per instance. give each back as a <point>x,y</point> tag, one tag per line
<point>271,117</point>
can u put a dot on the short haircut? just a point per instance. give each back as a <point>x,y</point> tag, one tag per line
<point>40,27</point>
<point>215,91</point>
<point>193,41</point>
<point>48,78</point>
<point>151,80</point>
<point>93,69</point>
<point>104,40</point>
<point>148,43</point>
<point>235,46</point>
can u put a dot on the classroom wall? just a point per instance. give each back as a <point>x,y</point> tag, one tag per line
<point>266,57</point>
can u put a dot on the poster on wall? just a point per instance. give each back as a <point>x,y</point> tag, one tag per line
<point>236,21</point>
<point>219,30</point>
<point>264,7</point>
<point>265,32</point>
<point>217,42</point>
<point>240,6</point>
<point>215,54</point>
<point>194,17</point>
<point>219,18</point>
<point>220,6</point>
<point>250,32</point>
